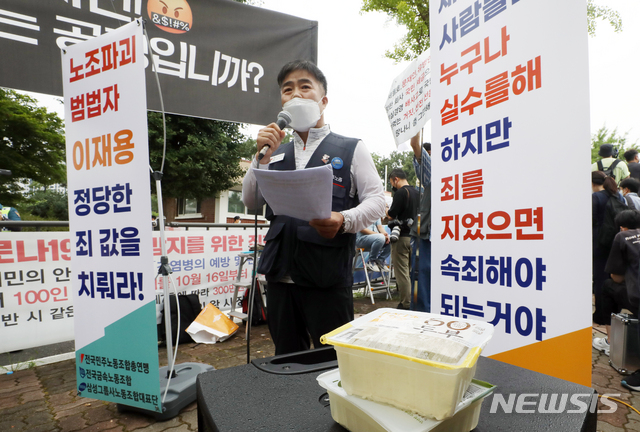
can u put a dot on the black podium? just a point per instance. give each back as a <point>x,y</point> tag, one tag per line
<point>281,393</point>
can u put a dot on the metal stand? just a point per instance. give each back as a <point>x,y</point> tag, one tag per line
<point>177,382</point>
<point>369,289</point>
<point>244,257</point>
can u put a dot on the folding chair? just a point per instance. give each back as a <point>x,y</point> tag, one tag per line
<point>369,290</point>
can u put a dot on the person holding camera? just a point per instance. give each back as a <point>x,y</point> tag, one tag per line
<point>402,211</point>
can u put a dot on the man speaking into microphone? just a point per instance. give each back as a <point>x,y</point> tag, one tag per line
<point>308,265</point>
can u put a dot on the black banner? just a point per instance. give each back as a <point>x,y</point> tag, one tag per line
<point>216,58</point>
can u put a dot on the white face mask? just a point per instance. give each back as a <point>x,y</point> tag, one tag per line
<point>305,113</point>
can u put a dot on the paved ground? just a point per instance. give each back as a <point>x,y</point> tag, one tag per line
<point>43,398</point>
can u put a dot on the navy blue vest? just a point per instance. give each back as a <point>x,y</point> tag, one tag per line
<point>295,248</point>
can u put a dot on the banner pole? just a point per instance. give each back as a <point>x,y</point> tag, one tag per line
<point>165,271</point>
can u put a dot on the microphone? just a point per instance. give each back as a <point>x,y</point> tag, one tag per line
<point>284,118</point>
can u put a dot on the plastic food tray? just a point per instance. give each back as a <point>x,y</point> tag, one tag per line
<point>360,415</point>
<point>415,361</point>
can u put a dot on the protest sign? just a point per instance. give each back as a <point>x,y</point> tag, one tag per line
<point>510,130</point>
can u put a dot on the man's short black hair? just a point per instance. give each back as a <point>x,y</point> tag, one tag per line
<point>630,183</point>
<point>630,155</point>
<point>306,65</point>
<point>398,173</point>
<point>426,146</point>
<point>628,219</point>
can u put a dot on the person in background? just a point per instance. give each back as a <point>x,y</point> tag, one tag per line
<point>632,158</point>
<point>629,188</point>
<point>614,294</point>
<point>374,239</point>
<point>422,165</point>
<point>604,188</point>
<point>609,161</point>
<point>623,265</point>
<point>236,219</point>
<point>403,209</point>
<point>10,214</point>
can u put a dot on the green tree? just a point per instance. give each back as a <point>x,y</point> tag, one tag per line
<point>605,136</point>
<point>396,159</point>
<point>47,204</point>
<point>202,156</point>
<point>247,148</point>
<point>32,145</point>
<point>414,16</point>
<point>595,12</point>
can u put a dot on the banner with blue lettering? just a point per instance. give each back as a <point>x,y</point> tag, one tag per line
<point>511,208</point>
<point>109,213</point>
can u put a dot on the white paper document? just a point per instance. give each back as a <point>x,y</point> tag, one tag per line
<point>302,194</point>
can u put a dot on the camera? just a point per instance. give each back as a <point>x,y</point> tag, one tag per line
<point>396,225</point>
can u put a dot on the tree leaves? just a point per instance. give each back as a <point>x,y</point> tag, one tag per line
<point>595,12</point>
<point>414,15</point>
<point>32,144</point>
<point>605,136</point>
<point>202,157</point>
<point>396,159</point>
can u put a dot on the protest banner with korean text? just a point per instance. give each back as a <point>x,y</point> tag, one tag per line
<point>109,218</point>
<point>35,289</point>
<point>408,104</point>
<point>207,263</point>
<point>36,304</point>
<point>510,125</point>
<point>215,59</point>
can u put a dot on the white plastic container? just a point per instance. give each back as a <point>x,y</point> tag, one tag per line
<point>414,361</point>
<point>360,415</point>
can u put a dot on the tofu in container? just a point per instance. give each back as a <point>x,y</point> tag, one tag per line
<point>414,361</point>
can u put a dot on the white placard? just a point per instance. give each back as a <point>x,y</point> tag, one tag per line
<point>109,218</point>
<point>511,245</point>
<point>408,104</point>
<point>35,289</point>
<point>36,301</point>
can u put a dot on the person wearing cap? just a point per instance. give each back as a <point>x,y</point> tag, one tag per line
<point>609,155</point>
<point>236,219</point>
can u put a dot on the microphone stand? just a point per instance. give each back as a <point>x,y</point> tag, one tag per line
<point>177,384</point>
<point>254,274</point>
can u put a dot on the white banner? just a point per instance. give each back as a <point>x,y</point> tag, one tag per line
<point>36,303</point>
<point>35,289</point>
<point>109,218</point>
<point>511,243</point>
<point>408,104</point>
<point>207,263</point>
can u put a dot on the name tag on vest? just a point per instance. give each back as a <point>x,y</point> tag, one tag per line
<point>276,158</point>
